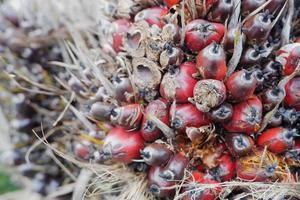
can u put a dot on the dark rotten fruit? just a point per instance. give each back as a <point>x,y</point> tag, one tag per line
<point>187,115</point>
<point>160,109</point>
<point>211,62</point>
<point>156,154</point>
<point>121,145</point>
<point>200,33</point>
<point>246,116</point>
<point>239,144</point>
<point>278,140</point>
<point>178,83</point>
<point>209,93</point>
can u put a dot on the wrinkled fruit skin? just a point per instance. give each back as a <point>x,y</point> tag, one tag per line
<point>122,145</point>
<point>179,83</point>
<point>239,144</point>
<point>278,140</point>
<point>292,89</point>
<point>187,115</point>
<point>246,116</point>
<point>211,62</point>
<point>160,109</point>
<point>121,26</point>
<point>200,33</point>
<point>197,179</point>
<point>153,16</point>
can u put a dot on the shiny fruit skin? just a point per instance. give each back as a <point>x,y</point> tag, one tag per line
<point>187,115</point>
<point>200,33</point>
<point>249,6</point>
<point>292,97</point>
<point>183,77</point>
<point>122,145</point>
<point>246,116</point>
<point>153,16</point>
<point>174,170</point>
<point>222,113</point>
<point>292,61</point>
<point>156,154</point>
<point>271,97</point>
<point>211,62</point>
<point>226,168</point>
<point>220,11</point>
<point>121,27</point>
<point>160,109</point>
<point>239,144</point>
<point>171,3</point>
<point>278,140</point>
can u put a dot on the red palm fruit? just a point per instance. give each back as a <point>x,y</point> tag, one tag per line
<point>121,145</point>
<point>239,144</point>
<point>156,154</point>
<point>174,170</point>
<point>225,171</point>
<point>178,83</point>
<point>128,116</point>
<point>197,180</point>
<point>124,90</point>
<point>82,151</point>
<point>211,62</point>
<point>200,33</point>
<point>120,28</point>
<point>240,85</point>
<point>271,97</point>
<point>220,11</point>
<point>158,186</point>
<point>292,97</point>
<point>222,113</point>
<point>257,28</point>
<point>283,53</point>
<point>278,140</point>
<point>101,110</point>
<point>160,109</point>
<point>251,57</point>
<point>229,39</point>
<point>208,93</point>
<point>246,116</point>
<point>275,5</point>
<point>171,3</point>
<point>249,6</point>
<point>187,115</point>
<point>292,61</point>
<point>153,16</point>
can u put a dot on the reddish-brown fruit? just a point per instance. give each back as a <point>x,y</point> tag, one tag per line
<point>129,116</point>
<point>240,85</point>
<point>170,56</point>
<point>208,94</point>
<point>292,97</point>
<point>272,70</point>
<point>251,57</point>
<point>246,116</point>
<point>229,39</point>
<point>292,61</point>
<point>211,62</point>
<point>276,120</point>
<point>271,97</point>
<point>158,186</point>
<point>239,144</point>
<point>195,181</point>
<point>278,140</point>
<point>101,111</point>
<point>171,3</point>
<point>187,115</point>
<point>120,28</point>
<point>220,11</point>
<point>153,16</point>
<point>222,113</point>
<point>82,151</point>
<point>156,154</point>
<point>174,170</point>
<point>200,33</point>
<point>250,5</point>
<point>275,6</point>
<point>160,109</point>
<point>257,28</point>
<point>178,83</point>
<point>124,90</point>
<point>121,145</point>
<point>225,171</point>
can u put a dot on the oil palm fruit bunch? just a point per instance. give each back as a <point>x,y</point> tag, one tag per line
<point>195,98</point>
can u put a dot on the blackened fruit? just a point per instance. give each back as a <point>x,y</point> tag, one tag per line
<point>200,33</point>
<point>156,154</point>
<point>160,109</point>
<point>278,140</point>
<point>211,62</point>
<point>292,97</point>
<point>187,115</point>
<point>240,85</point>
<point>239,144</point>
<point>246,116</point>
<point>178,83</point>
<point>222,113</point>
<point>209,93</point>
